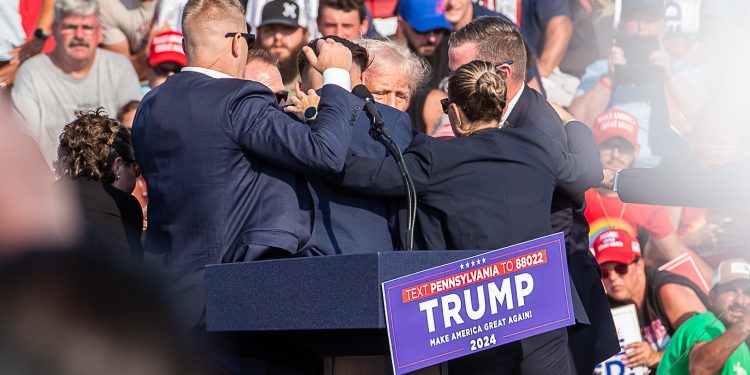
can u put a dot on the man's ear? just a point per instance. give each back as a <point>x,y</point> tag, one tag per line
<point>504,70</point>
<point>236,45</point>
<point>363,27</point>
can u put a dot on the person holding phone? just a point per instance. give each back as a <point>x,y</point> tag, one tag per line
<point>640,77</point>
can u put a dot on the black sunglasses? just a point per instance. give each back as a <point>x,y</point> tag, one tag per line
<point>249,38</point>
<point>621,269</point>
<point>445,103</point>
<point>281,97</point>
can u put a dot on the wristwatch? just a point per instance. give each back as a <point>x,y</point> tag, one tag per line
<point>310,113</point>
<point>40,34</point>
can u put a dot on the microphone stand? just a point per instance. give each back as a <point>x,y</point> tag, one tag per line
<point>379,133</point>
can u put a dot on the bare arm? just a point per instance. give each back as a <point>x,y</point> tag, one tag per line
<point>557,35</point>
<point>689,100</point>
<point>708,357</point>
<point>671,247</point>
<point>680,303</point>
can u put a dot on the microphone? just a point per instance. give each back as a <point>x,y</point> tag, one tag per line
<point>363,93</point>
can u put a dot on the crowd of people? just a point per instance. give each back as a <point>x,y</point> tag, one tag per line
<point>173,134</point>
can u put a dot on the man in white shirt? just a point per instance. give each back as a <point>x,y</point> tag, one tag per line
<point>76,76</point>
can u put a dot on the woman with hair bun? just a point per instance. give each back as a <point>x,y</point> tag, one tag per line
<point>96,154</point>
<point>492,185</point>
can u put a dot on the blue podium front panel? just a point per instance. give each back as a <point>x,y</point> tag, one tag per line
<point>317,293</point>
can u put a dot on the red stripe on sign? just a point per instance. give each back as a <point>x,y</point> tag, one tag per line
<point>473,276</point>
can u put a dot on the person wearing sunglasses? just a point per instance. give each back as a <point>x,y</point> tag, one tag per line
<point>663,300</point>
<point>96,157</point>
<point>490,187</point>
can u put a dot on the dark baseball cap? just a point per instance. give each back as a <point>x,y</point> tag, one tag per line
<point>280,12</point>
<point>649,9</point>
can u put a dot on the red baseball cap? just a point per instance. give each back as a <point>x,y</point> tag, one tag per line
<point>615,245</point>
<point>616,123</point>
<point>167,47</point>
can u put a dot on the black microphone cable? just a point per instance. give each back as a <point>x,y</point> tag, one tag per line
<point>380,133</point>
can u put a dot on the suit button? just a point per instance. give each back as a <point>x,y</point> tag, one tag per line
<point>356,108</point>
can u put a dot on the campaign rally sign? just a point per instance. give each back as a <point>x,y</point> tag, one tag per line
<point>628,331</point>
<point>478,303</point>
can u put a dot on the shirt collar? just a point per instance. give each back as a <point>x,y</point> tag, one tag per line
<point>209,72</point>
<point>511,104</point>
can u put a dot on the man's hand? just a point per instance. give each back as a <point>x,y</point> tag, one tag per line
<point>8,75</point>
<point>615,58</point>
<point>641,354</point>
<point>29,49</point>
<point>608,182</point>
<point>661,59</point>
<point>300,102</point>
<point>331,54</point>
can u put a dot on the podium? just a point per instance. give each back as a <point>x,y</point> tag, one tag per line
<point>332,304</point>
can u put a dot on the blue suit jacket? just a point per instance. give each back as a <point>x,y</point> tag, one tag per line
<point>486,191</point>
<point>533,111</point>
<point>217,155</point>
<point>347,222</point>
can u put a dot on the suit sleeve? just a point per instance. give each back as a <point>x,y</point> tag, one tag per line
<point>266,132</point>
<point>685,186</point>
<point>579,169</point>
<point>382,178</point>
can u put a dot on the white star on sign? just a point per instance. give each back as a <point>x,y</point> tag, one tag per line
<point>484,260</point>
<point>462,266</point>
<point>472,262</point>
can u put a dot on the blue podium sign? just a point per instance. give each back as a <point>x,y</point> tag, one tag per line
<point>478,303</point>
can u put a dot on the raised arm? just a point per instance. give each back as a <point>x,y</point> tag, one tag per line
<point>579,169</point>
<point>708,357</point>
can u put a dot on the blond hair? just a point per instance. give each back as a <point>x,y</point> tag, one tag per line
<point>203,18</point>
<point>479,90</point>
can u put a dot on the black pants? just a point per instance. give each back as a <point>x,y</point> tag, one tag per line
<point>546,353</point>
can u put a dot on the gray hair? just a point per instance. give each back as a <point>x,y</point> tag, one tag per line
<point>387,54</point>
<point>77,7</point>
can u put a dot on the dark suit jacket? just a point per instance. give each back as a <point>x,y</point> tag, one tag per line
<point>105,225</point>
<point>690,186</point>
<point>486,191</point>
<point>533,111</point>
<point>217,155</point>
<point>346,222</point>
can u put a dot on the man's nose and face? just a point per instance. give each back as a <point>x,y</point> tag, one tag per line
<point>268,75</point>
<point>282,40</point>
<point>388,87</point>
<point>344,24</point>
<point>619,279</point>
<point>79,35</point>
<point>733,299</point>
<point>425,43</point>
<point>455,10</point>
<point>617,153</point>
